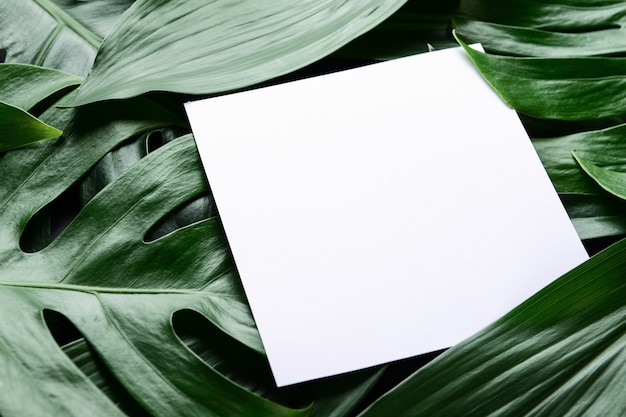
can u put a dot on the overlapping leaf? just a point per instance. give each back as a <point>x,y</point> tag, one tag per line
<point>21,88</point>
<point>524,41</point>
<point>567,77</point>
<point>18,128</point>
<point>561,353</point>
<point>199,47</point>
<point>120,290</point>
<point>554,15</point>
<point>62,34</point>
<point>553,88</point>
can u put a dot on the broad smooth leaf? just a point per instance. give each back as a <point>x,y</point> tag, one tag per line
<point>556,15</point>
<point>90,274</point>
<point>607,148</point>
<point>557,30</point>
<point>612,181</point>
<point>62,34</point>
<point>200,47</point>
<point>557,88</point>
<point>560,353</point>
<point>18,128</point>
<point>523,41</point>
<point>25,86</point>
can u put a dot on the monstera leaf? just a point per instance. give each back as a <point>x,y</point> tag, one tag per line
<point>560,353</point>
<point>62,34</point>
<point>18,128</point>
<point>130,304</point>
<point>102,276</point>
<point>121,290</point>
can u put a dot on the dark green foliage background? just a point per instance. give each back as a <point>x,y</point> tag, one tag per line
<point>118,295</point>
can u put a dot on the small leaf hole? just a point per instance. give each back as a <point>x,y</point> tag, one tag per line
<point>79,351</point>
<point>154,140</point>
<point>223,353</point>
<point>48,223</point>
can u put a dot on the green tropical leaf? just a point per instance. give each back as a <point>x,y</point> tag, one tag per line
<point>18,128</point>
<point>105,276</point>
<point>524,41</point>
<point>557,88</point>
<point>25,86</point>
<point>62,34</point>
<point>560,353</point>
<point>611,180</point>
<point>199,47</point>
<point>607,147</point>
<point>596,216</point>
<point>91,274</point>
<point>560,30</point>
<point>554,15</point>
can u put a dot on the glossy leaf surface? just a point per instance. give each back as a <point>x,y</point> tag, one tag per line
<point>102,276</point>
<point>199,47</point>
<point>25,86</point>
<point>119,291</point>
<point>18,128</point>
<point>524,41</point>
<point>611,180</point>
<point>560,353</point>
<point>553,88</point>
<point>554,15</point>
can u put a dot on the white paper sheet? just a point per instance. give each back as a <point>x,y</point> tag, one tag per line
<point>380,213</point>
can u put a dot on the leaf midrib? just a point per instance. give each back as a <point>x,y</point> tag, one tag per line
<point>63,19</point>
<point>111,290</point>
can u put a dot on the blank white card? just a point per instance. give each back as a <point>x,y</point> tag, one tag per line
<point>381,212</point>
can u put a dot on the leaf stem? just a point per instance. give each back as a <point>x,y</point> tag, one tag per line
<point>66,20</point>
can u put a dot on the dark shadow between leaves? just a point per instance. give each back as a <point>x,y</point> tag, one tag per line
<point>223,353</point>
<point>3,57</point>
<point>198,209</point>
<point>251,370</point>
<point>585,29</point>
<point>78,350</point>
<point>50,221</point>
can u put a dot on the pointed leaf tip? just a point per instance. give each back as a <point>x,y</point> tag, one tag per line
<point>612,181</point>
<point>18,128</point>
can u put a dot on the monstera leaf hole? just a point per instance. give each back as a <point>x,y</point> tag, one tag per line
<point>62,329</point>
<point>198,209</point>
<point>73,344</point>
<point>154,140</point>
<point>48,223</point>
<point>225,354</point>
<point>250,369</point>
<point>90,364</point>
